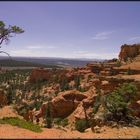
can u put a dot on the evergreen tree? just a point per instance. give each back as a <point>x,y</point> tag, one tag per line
<point>48,115</point>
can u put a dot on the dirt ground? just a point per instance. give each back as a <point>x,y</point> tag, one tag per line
<point>8,131</point>
<point>8,111</point>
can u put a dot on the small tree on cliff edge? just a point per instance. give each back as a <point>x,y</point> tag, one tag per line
<point>48,115</point>
<point>7,32</point>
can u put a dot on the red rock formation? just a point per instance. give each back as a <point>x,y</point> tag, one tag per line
<point>96,82</point>
<point>63,105</point>
<point>39,74</point>
<point>3,98</point>
<point>85,105</point>
<point>136,108</point>
<point>70,76</point>
<point>107,86</point>
<point>129,51</point>
<point>95,68</point>
<point>105,73</point>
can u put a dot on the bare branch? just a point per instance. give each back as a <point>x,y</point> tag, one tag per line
<point>6,54</point>
<point>1,41</point>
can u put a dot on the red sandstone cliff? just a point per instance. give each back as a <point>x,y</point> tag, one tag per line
<point>129,51</point>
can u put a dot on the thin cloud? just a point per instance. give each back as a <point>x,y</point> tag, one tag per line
<point>102,35</point>
<point>40,47</point>
<point>81,52</point>
<point>76,54</point>
<point>50,47</point>
<point>21,52</point>
<point>29,53</point>
<point>134,38</point>
<point>34,47</point>
<point>87,54</point>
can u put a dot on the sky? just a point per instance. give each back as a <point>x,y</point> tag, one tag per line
<point>71,29</point>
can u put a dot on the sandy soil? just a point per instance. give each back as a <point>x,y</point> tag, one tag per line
<point>8,131</point>
<point>8,111</point>
<point>133,65</point>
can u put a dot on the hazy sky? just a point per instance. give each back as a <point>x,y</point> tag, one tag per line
<point>71,29</point>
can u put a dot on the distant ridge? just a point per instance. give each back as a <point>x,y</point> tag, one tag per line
<point>56,61</point>
<point>15,63</point>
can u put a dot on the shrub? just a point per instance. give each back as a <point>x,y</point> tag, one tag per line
<point>48,116</point>
<point>117,102</point>
<point>49,122</point>
<point>128,91</point>
<point>129,71</point>
<point>77,81</point>
<point>118,63</point>
<point>60,121</point>
<point>15,121</point>
<point>57,121</point>
<point>64,84</point>
<point>81,125</point>
<point>64,122</point>
<point>37,105</point>
<point>82,89</point>
<point>97,102</point>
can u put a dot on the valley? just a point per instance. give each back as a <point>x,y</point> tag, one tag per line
<point>98,100</point>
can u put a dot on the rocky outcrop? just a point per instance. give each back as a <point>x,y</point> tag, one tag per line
<point>39,74</point>
<point>62,105</point>
<point>85,108</point>
<point>29,116</point>
<point>136,108</point>
<point>95,68</point>
<point>3,98</point>
<point>129,51</point>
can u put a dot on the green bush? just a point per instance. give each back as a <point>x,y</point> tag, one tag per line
<point>48,116</point>
<point>64,85</point>
<point>96,104</point>
<point>64,122</point>
<point>15,121</point>
<point>81,125</point>
<point>82,89</point>
<point>118,63</point>
<point>57,121</point>
<point>60,121</point>
<point>77,81</point>
<point>117,102</point>
<point>129,71</point>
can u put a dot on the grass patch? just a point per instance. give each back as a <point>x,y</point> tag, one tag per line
<point>15,121</point>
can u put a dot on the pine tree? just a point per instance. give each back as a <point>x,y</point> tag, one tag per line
<point>48,115</point>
